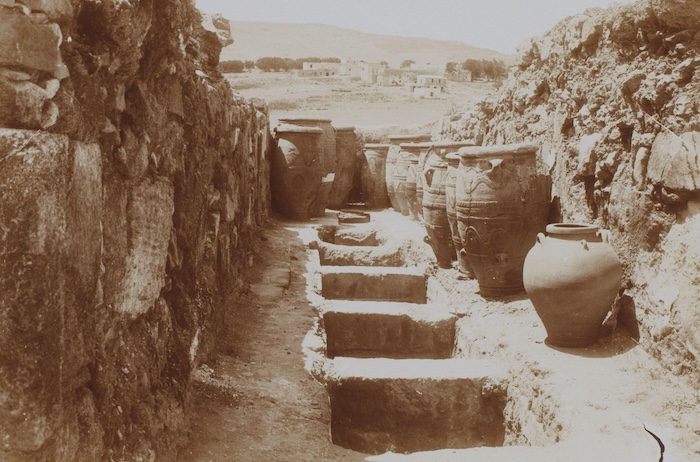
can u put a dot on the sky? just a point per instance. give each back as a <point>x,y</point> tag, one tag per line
<point>496,24</point>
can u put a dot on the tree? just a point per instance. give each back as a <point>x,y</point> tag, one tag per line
<point>495,70</point>
<point>383,63</point>
<point>231,67</point>
<point>270,64</point>
<point>406,63</point>
<point>451,68</point>
<point>475,66</point>
<point>314,59</point>
<point>266,64</point>
<point>289,63</point>
<point>249,65</point>
<point>490,69</point>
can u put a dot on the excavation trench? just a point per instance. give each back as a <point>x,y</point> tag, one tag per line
<point>390,348</point>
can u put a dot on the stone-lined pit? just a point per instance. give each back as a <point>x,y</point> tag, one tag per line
<point>388,329</point>
<point>387,350</point>
<point>352,255</point>
<point>373,283</point>
<point>409,405</point>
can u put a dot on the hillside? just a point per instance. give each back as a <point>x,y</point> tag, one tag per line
<point>253,40</point>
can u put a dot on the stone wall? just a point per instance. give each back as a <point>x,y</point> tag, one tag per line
<point>132,183</point>
<point>612,97</point>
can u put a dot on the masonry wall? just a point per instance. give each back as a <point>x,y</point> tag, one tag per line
<point>612,97</point>
<point>131,185</point>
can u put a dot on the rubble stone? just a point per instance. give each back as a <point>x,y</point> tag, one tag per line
<point>674,162</point>
<point>27,45</point>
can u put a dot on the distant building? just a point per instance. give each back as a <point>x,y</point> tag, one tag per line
<point>370,71</point>
<point>429,86</point>
<point>397,78</point>
<point>351,68</point>
<point>322,69</point>
<point>390,77</point>
<point>461,75</point>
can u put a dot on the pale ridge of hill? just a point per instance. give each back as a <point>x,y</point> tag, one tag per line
<point>253,40</point>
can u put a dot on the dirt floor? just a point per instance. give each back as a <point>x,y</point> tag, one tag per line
<point>253,400</point>
<point>352,102</point>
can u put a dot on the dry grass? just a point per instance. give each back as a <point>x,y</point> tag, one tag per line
<point>346,101</point>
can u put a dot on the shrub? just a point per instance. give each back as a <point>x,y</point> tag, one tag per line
<point>231,67</point>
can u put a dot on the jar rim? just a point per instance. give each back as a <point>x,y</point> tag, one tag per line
<point>303,120</point>
<point>447,144</point>
<point>409,146</point>
<point>291,128</point>
<point>570,228</point>
<point>377,146</point>
<point>397,139</point>
<point>503,151</point>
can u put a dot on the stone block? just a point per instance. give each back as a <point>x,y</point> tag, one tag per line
<point>149,214</point>
<point>389,329</point>
<point>351,255</point>
<point>409,405</point>
<point>674,161</point>
<point>54,9</point>
<point>369,283</point>
<point>25,44</point>
<point>84,210</point>
<point>33,181</point>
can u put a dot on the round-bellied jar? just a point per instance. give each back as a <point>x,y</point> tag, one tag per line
<point>346,150</point>
<point>572,277</point>
<point>405,179</point>
<point>327,160</point>
<point>372,176</point>
<point>295,174</point>
<point>394,149</point>
<point>450,207</point>
<point>501,206</point>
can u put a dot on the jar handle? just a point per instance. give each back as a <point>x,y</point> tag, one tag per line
<point>495,166</point>
<point>540,238</point>
<point>584,244</point>
<point>428,176</point>
<point>495,163</point>
<point>604,234</point>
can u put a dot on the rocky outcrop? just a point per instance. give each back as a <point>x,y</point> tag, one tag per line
<point>132,184</point>
<point>611,97</point>
<point>220,26</point>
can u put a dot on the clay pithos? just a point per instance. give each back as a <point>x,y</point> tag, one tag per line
<point>572,277</point>
<point>405,179</point>
<point>435,209</point>
<point>450,207</point>
<point>346,148</point>
<point>394,149</point>
<point>373,174</point>
<point>295,176</point>
<point>501,205</point>
<point>326,161</point>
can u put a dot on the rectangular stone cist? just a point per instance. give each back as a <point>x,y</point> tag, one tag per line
<point>410,405</point>
<point>368,283</point>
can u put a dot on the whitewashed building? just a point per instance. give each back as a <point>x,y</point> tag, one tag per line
<point>351,68</point>
<point>370,71</point>
<point>430,86</point>
<point>322,69</point>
